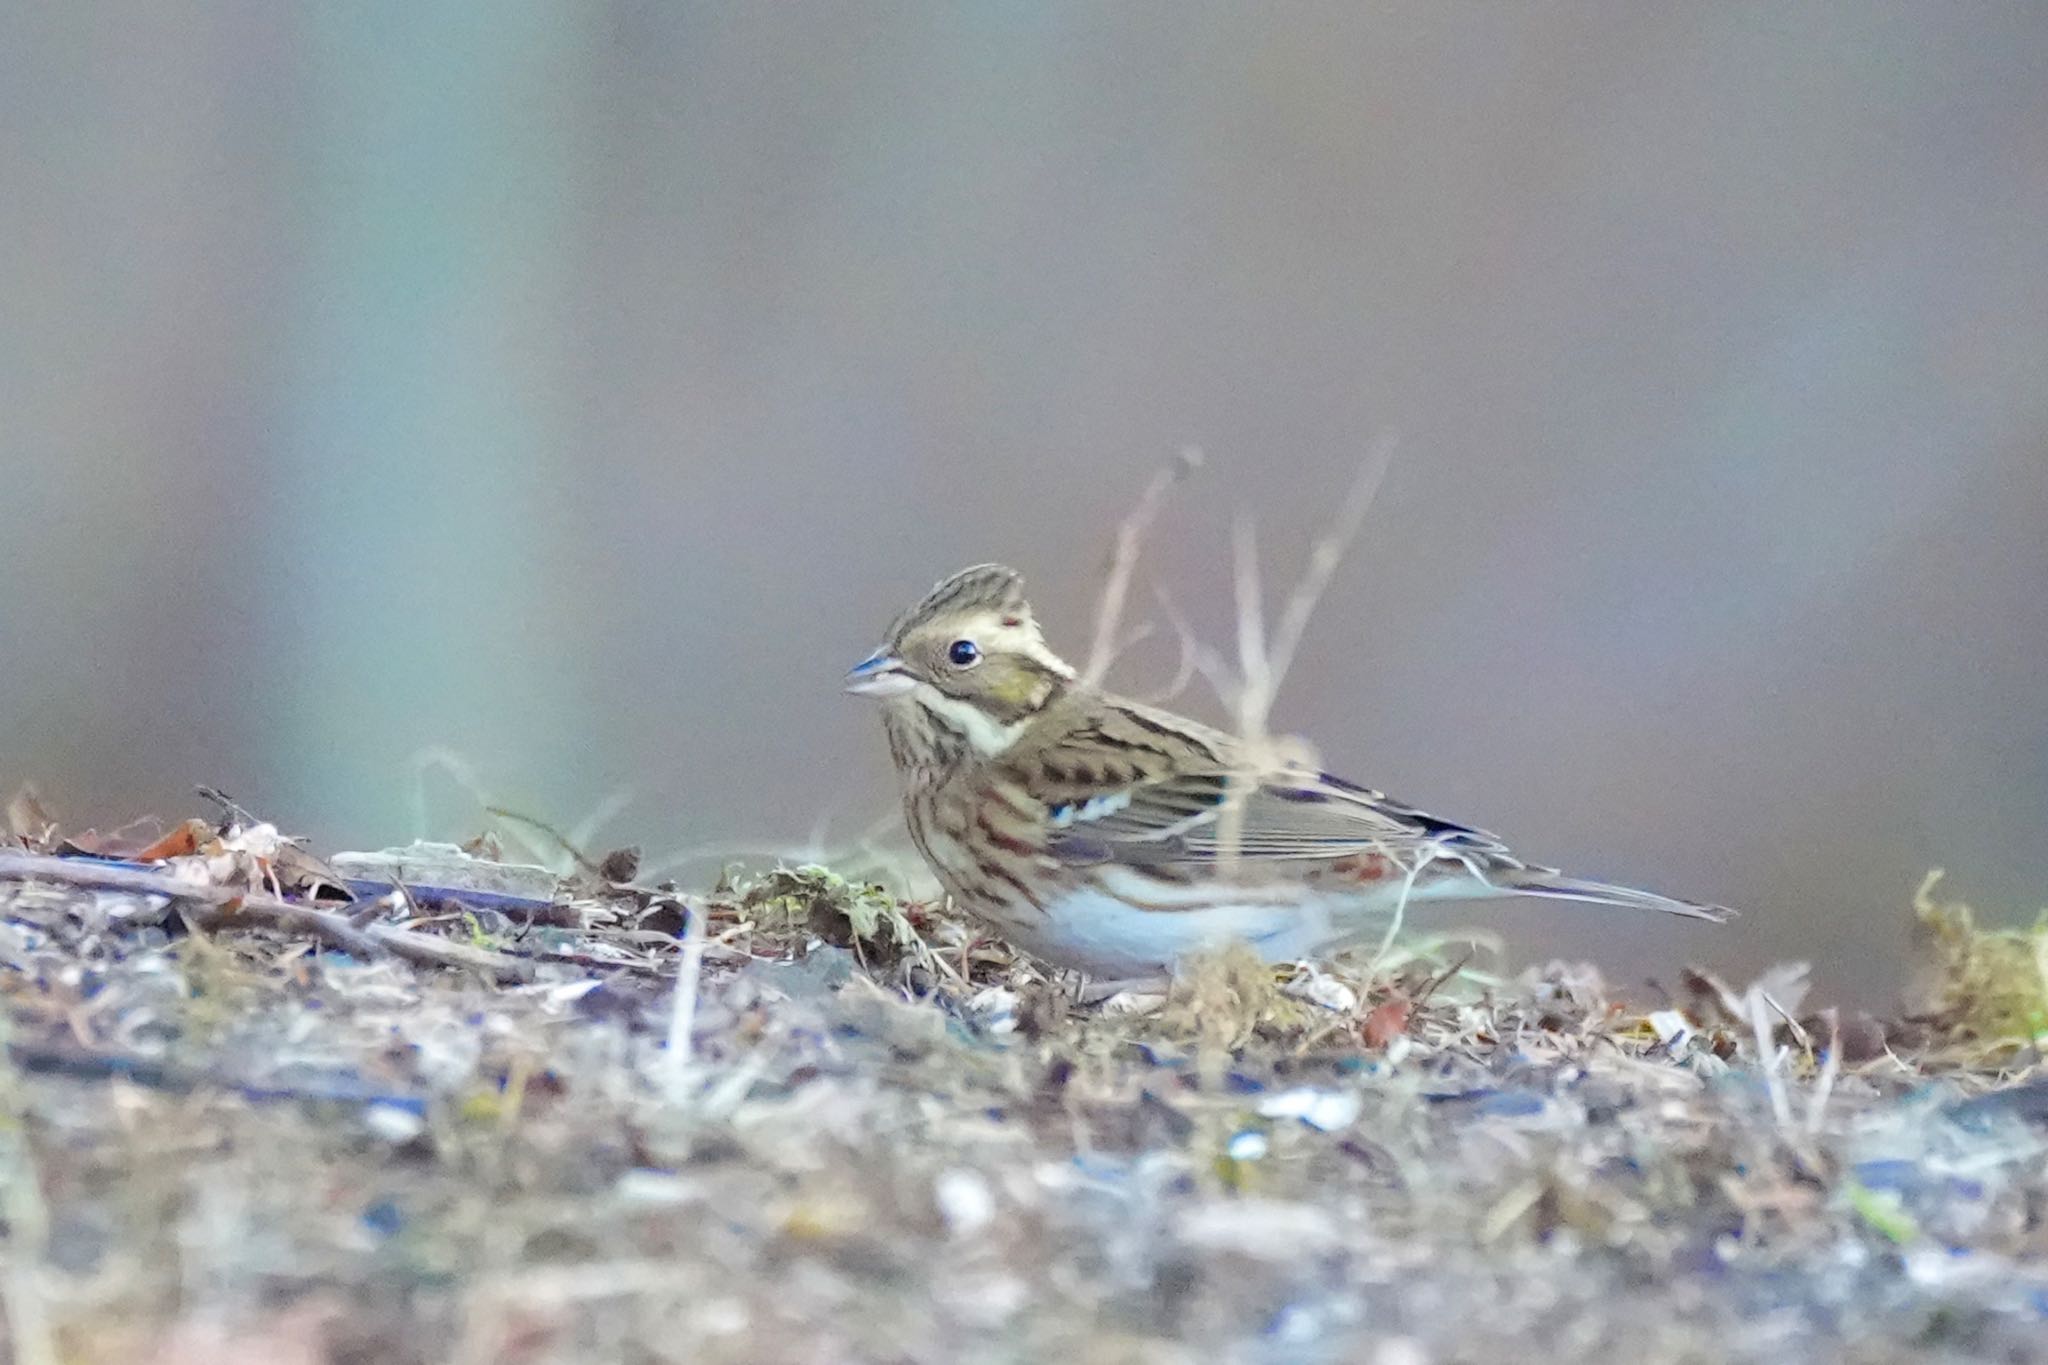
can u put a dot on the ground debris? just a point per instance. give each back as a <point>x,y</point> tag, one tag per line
<point>247,1136</point>
<point>1991,985</point>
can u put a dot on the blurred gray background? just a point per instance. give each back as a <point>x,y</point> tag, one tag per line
<point>582,387</point>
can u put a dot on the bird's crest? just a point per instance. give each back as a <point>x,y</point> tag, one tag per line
<point>985,587</point>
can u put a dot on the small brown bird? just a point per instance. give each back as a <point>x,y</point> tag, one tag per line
<point>1090,830</point>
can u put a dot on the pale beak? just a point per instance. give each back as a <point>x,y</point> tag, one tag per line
<point>881,674</point>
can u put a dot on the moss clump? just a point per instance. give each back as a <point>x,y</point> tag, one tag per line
<point>1222,999</point>
<point>1992,984</point>
<point>858,915</point>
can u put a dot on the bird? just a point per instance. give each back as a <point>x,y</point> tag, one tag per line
<point>1107,835</point>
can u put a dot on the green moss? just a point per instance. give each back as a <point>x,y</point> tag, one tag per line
<point>1882,1212</point>
<point>1222,999</point>
<point>1992,985</point>
<point>848,913</point>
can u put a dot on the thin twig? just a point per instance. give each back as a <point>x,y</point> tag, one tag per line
<point>1130,536</point>
<point>562,842</point>
<point>79,1063</point>
<point>439,757</point>
<point>1327,552</point>
<point>1767,1057</point>
<point>1190,649</point>
<point>1400,915</point>
<point>1254,665</point>
<point>365,909</point>
<point>584,833</point>
<point>684,1019</point>
<point>1263,657</point>
<point>1824,1088</point>
<point>1437,982</point>
<point>233,810</point>
<point>1251,699</point>
<point>217,906</point>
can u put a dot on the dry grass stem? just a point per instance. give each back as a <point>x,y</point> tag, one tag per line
<point>213,906</point>
<point>1770,1057</point>
<point>1830,1069</point>
<point>1190,659</point>
<point>683,1018</point>
<point>1263,658</point>
<point>1116,587</point>
<point>1326,554</point>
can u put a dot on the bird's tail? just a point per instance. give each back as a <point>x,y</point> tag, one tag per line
<point>1550,885</point>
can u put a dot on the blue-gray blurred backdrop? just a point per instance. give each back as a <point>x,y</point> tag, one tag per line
<point>580,385</point>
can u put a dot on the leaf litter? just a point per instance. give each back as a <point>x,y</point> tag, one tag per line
<point>245,1113</point>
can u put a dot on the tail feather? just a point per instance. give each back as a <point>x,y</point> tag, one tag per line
<point>1541,881</point>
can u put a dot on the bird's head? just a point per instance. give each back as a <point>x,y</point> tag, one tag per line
<point>969,658</point>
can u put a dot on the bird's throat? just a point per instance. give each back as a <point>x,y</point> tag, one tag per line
<point>984,734</point>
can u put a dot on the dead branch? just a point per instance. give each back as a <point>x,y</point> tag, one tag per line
<point>220,906</point>
<point>683,1016</point>
<point>1191,659</point>
<point>1263,658</point>
<point>1324,556</point>
<point>1130,536</point>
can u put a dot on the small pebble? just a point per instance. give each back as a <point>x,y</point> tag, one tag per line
<point>1324,1109</point>
<point>1249,1145</point>
<point>965,1201</point>
<point>393,1123</point>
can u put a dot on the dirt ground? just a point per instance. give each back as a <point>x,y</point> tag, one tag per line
<point>229,1134</point>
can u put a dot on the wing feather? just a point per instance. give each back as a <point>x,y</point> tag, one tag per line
<point>1130,785</point>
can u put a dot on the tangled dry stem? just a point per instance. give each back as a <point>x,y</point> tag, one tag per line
<point>1108,642</point>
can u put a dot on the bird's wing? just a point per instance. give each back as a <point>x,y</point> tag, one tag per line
<point>1124,783</point>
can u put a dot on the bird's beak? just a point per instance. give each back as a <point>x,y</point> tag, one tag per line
<point>881,674</point>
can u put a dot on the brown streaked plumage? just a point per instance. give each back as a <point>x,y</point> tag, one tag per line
<point>1088,828</point>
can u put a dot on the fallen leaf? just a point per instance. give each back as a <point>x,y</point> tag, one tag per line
<point>183,841</point>
<point>1387,1021</point>
<point>28,819</point>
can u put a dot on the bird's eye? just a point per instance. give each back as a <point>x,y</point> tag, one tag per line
<point>964,653</point>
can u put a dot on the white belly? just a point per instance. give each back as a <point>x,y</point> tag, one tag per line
<point>1104,936</point>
